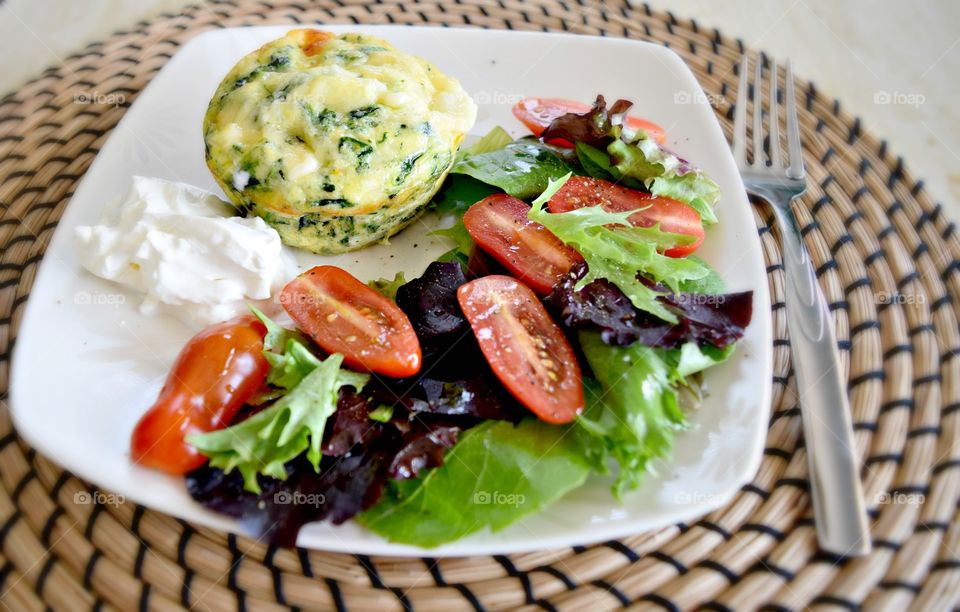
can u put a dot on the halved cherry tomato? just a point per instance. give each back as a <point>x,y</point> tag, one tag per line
<point>538,113</point>
<point>525,348</point>
<point>343,315</point>
<point>673,216</point>
<point>215,374</point>
<point>499,225</point>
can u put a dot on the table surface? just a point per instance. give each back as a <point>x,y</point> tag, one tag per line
<point>902,359</point>
<point>892,63</point>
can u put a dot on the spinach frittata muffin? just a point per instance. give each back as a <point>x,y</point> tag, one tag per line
<point>337,141</point>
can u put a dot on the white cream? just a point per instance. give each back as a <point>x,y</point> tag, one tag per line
<point>183,250</point>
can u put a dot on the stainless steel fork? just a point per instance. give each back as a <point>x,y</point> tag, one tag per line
<point>835,486</point>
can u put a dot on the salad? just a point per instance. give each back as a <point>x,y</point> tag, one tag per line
<point>563,337</point>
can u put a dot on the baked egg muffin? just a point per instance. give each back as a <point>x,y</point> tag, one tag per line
<point>337,141</point>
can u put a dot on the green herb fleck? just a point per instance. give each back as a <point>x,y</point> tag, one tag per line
<point>381,414</point>
<point>360,113</point>
<point>361,149</point>
<point>278,61</point>
<point>406,167</point>
<point>326,119</point>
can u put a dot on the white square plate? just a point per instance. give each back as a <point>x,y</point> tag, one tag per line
<point>87,364</point>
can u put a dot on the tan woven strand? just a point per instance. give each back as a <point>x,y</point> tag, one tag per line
<point>888,260</point>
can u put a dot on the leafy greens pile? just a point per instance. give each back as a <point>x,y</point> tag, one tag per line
<point>326,441</point>
<point>433,458</point>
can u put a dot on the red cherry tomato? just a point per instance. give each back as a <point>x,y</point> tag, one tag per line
<point>215,374</point>
<point>525,348</point>
<point>538,113</point>
<point>343,315</point>
<point>673,216</point>
<point>499,225</point>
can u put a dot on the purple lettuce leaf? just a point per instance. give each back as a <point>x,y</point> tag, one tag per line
<point>344,487</point>
<point>408,443</point>
<point>455,379</point>
<point>351,425</point>
<point>476,396</point>
<point>430,302</point>
<point>717,320</point>
<point>594,127</point>
<point>456,390</point>
<point>422,447</point>
<point>360,455</point>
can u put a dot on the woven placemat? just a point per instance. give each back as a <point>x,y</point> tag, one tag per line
<point>887,260</point>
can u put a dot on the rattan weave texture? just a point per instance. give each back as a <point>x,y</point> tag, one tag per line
<point>887,259</point>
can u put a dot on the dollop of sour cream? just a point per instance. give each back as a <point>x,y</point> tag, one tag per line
<point>183,249</point>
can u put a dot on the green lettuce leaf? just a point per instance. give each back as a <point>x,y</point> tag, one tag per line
<point>636,414</point>
<point>287,353</point>
<point>495,139</point>
<point>381,414</point>
<point>616,251</point>
<point>711,284</point>
<point>277,336</point>
<point>665,174</point>
<point>495,162</point>
<point>462,242</point>
<point>692,358</point>
<point>288,369</point>
<point>521,168</point>
<point>695,189</point>
<point>263,443</point>
<point>459,192</point>
<point>387,287</point>
<point>633,410</point>
<point>496,474</point>
<point>595,162</point>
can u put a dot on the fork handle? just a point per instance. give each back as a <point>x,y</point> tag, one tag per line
<point>835,485</point>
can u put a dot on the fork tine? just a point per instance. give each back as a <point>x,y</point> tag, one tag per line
<point>758,156</point>
<point>793,129</point>
<point>775,159</point>
<point>740,117</point>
